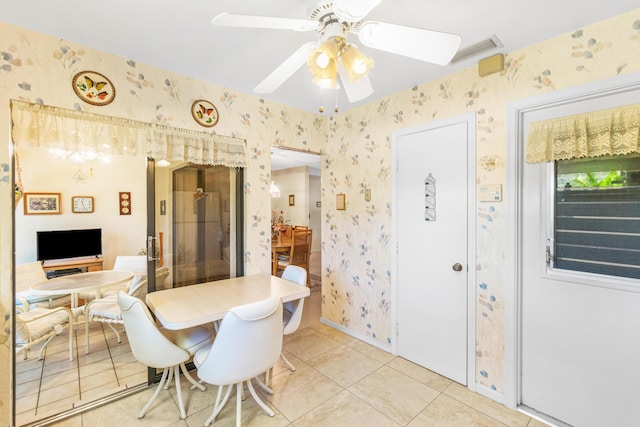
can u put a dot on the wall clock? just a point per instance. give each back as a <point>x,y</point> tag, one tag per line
<point>205,113</point>
<point>82,204</point>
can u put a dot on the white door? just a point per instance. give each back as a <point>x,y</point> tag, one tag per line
<point>432,254</point>
<point>580,343</point>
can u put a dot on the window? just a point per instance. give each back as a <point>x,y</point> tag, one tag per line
<point>596,220</point>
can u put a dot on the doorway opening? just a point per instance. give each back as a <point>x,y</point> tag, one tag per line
<point>296,197</point>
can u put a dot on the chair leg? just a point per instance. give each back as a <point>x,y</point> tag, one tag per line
<point>165,373</point>
<point>168,384</point>
<point>86,334</point>
<point>219,405</point>
<point>196,384</point>
<point>116,331</point>
<point>258,401</point>
<point>183,413</point>
<point>239,398</point>
<point>263,385</point>
<point>291,367</point>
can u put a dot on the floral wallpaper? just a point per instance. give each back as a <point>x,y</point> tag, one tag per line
<point>356,147</point>
<point>357,262</point>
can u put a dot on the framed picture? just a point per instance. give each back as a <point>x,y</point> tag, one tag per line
<point>125,202</point>
<point>42,203</point>
<point>341,202</point>
<point>292,200</point>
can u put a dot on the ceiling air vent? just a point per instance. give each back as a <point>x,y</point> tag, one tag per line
<point>476,49</point>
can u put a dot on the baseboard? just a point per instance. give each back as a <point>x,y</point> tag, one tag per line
<point>490,393</point>
<point>357,335</point>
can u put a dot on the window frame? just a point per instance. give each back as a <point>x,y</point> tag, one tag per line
<point>549,271</point>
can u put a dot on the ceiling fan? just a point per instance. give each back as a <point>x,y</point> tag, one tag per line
<point>333,56</point>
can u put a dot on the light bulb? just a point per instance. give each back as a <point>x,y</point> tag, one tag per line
<point>322,60</point>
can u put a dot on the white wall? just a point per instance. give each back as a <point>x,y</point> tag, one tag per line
<point>315,214</point>
<point>121,234</point>
<point>293,181</point>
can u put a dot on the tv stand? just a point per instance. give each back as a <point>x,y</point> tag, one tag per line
<point>86,263</point>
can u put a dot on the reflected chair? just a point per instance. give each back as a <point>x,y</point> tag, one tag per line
<point>248,344</point>
<point>136,264</point>
<point>292,310</point>
<point>160,348</point>
<point>28,275</point>
<point>38,324</point>
<point>106,310</point>
<point>300,251</point>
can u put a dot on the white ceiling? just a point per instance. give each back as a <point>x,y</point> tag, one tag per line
<point>177,36</point>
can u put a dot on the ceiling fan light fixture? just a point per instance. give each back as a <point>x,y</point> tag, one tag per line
<point>356,63</point>
<point>323,63</point>
<point>353,10</point>
<point>330,82</point>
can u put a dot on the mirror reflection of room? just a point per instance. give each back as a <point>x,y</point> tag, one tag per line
<point>58,243</point>
<point>295,202</point>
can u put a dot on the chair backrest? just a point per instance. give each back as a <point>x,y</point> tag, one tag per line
<point>300,247</point>
<point>297,275</point>
<point>248,343</point>
<point>137,264</point>
<point>29,274</point>
<point>148,345</point>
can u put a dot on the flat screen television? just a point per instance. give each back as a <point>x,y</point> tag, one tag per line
<point>60,244</point>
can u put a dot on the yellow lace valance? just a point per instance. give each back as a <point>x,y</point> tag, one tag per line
<point>599,133</point>
<point>63,129</point>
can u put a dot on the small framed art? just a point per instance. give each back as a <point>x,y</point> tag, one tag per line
<point>341,202</point>
<point>292,199</point>
<point>42,203</point>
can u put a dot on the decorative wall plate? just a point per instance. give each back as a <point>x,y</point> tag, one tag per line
<point>205,113</point>
<point>93,88</point>
<point>125,203</point>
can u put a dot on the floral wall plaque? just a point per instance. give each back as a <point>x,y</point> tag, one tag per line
<point>93,88</point>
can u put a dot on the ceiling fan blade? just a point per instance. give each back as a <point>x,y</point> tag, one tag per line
<point>353,10</point>
<point>274,23</point>
<point>425,45</point>
<point>355,91</point>
<point>286,69</point>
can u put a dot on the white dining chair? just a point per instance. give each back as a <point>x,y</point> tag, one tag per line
<point>161,348</point>
<point>292,310</point>
<point>248,344</point>
<point>107,310</point>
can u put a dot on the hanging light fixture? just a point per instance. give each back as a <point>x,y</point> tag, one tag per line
<point>275,191</point>
<point>323,62</point>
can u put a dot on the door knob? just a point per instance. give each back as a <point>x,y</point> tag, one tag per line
<point>457,267</point>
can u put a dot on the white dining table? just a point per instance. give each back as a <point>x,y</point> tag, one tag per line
<point>184,307</point>
<point>75,284</point>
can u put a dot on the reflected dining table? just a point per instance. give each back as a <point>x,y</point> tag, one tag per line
<point>75,284</point>
<point>279,246</point>
<point>188,306</point>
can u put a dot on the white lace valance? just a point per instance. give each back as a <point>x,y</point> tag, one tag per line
<point>58,128</point>
<point>175,144</point>
<point>599,133</point>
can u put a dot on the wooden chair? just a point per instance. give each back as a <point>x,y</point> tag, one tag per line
<point>300,250</point>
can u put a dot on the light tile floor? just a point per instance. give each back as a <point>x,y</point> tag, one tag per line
<point>339,381</point>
